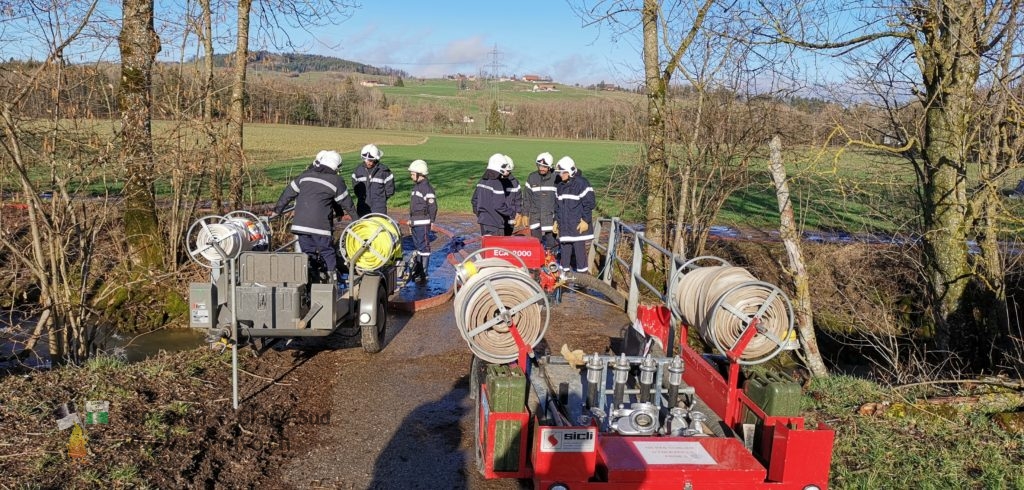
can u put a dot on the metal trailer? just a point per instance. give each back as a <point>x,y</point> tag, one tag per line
<point>257,293</point>
<point>657,415</point>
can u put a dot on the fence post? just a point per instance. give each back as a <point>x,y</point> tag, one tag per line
<point>635,269</point>
<point>592,255</point>
<point>609,262</point>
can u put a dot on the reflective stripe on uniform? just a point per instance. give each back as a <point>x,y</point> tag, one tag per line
<point>329,185</point>
<point>498,192</point>
<point>421,222</point>
<point>312,231</point>
<point>576,197</point>
<point>576,238</point>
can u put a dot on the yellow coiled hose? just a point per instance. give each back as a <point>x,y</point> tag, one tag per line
<point>372,242</point>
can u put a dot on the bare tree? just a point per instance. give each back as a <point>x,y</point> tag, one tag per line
<point>961,48</point>
<point>273,16</point>
<point>55,240</point>
<point>236,113</point>
<point>139,46</point>
<point>655,21</point>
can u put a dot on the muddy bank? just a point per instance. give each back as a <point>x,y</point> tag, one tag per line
<point>170,422</point>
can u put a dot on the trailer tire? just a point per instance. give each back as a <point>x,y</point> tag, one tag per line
<point>373,335</point>
<point>477,371</point>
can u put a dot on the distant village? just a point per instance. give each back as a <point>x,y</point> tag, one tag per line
<point>541,83</point>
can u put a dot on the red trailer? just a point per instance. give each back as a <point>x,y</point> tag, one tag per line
<point>660,414</point>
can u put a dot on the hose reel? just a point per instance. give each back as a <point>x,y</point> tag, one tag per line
<point>372,242</point>
<point>723,300</point>
<point>492,295</point>
<point>212,239</point>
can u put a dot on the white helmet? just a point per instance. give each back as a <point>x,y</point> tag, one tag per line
<point>566,164</point>
<point>497,162</point>
<point>329,159</point>
<point>509,164</point>
<point>319,155</point>
<point>545,160</point>
<point>371,152</point>
<point>418,166</point>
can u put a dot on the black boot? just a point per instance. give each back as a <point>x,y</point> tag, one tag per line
<point>415,269</point>
<point>422,263</point>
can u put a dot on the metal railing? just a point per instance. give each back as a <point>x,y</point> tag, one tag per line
<point>610,235</point>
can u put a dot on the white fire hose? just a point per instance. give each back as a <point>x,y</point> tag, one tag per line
<point>492,296</point>
<point>213,239</point>
<point>722,301</point>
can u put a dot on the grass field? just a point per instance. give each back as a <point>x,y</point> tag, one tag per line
<point>854,191</point>
<point>456,162</point>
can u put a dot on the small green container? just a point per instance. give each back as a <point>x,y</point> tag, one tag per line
<point>506,392</point>
<point>506,388</point>
<point>97,412</point>
<point>778,394</point>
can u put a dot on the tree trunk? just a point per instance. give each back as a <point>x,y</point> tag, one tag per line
<point>236,116</point>
<point>139,45</point>
<point>215,164</point>
<point>791,238</point>
<point>950,66</point>
<point>656,169</point>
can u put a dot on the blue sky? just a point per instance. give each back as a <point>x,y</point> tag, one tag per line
<point>422,37</point>
<point>430,39</point>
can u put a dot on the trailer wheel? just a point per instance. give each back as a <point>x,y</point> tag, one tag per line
<point>477,371</point>
<point>477,375</point>
<point>373,335</point>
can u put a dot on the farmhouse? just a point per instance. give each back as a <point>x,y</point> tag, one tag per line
<point>536,78</point>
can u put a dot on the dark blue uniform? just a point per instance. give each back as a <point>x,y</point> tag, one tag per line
<point>491,205</point>
<point>576,201</point>
<point>373,187</point>
<point>320,195</point>
<point>539,204</point>
<point>422,212</point>
<point>514,200</point>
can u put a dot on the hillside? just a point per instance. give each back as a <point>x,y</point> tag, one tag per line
<point>304,63</point>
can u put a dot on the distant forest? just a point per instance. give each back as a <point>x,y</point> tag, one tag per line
<point>302,63</point>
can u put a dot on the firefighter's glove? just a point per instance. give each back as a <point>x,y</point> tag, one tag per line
<point>522,221</point>
<point>554,227</point>
<point>575,358</point>
<point>583,226</point>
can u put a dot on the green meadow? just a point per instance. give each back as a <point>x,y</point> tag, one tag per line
<point>856,191</point>
<point>455,162</point>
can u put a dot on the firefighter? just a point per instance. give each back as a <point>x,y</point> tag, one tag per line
<point>573,215</point>
<point>320,196</point>
<point>422,212</point>
<point>372,182</point>
<point>514,197</point>
<point>490,201</point>
<point>539,201</point>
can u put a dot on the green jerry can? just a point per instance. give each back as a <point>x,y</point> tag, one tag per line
<point>506,392</point>
<point>778,394</point>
